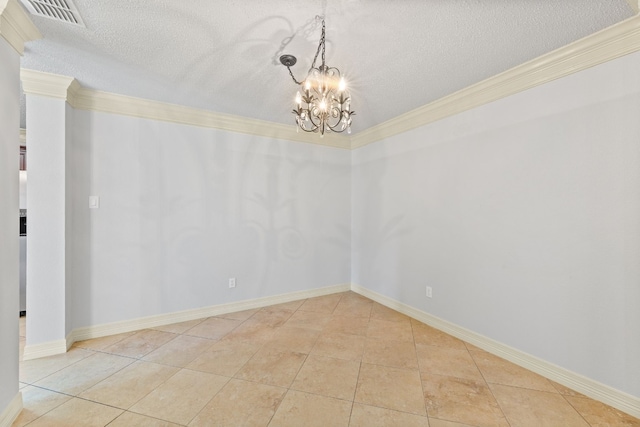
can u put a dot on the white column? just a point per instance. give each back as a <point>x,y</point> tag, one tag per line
<point>47,243</point>
<point>15,30</point>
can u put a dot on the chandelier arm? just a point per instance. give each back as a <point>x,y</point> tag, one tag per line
<point>312,129</point>
<point>316,126</point>
<point>338,127</point>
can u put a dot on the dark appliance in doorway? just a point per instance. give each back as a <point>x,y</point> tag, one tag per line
<point>23,262</point>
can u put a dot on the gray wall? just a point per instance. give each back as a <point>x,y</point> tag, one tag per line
<point>521,214</point>
<point>524,217</point>
<point>9,210</point>
<point>183,209</point>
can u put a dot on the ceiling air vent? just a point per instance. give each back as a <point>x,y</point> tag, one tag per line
<point>60,10</point>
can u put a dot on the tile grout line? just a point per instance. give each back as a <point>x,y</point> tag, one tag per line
<point>275,411</point>
<point>263,341</point>
<point>415,349</point>
<point>504,415</point>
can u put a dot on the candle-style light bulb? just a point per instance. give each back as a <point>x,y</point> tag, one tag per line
<point>342,85</point>
<point>298,99</point>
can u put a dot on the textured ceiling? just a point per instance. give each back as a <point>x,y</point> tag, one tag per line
<point>223,55</point>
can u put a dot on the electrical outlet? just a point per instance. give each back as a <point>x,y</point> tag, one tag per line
<point>429,292</point>
<point>232,282</point>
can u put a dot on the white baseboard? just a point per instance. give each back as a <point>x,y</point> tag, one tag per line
<point>594,389</point>
<point>11,412</point>
<point>50,348</point>
<point>60,346</point>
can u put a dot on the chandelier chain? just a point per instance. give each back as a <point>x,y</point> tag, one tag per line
<point>294,79</point>
<point>322,40</point>
<point>315,58</point>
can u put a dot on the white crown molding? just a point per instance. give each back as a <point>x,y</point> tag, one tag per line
<point>11,412</point>
<point>64,87</point>
<point>47,84</point>
<point>105,102</point>
<point>16,26</point>
<point>601,392</point>
<point>608,44</point>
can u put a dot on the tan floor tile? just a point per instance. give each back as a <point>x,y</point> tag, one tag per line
<point>308,320</point>
<point>291,305</point>
<point>180,351</point>
<point>323,359</point>
<point>80,376</point>
<point>78,412</point>
<point>447,361</point>
<point>461,400</point>
<point>500,371</point>
<point>341,346</point>
<point>597,414</point>
<point>371,416</point>
<point>472,347</point>
<point>434,422</point>
<point>391,388</point>
<point>268,366</point>
<point>347,325</point>
<point>384,329</point>
<point>129,419</point>
<point>380,312</point>
<point>239,315</point>
<point>566,391</point>
<point>36,369</point>
<point>250,331</point>
<point>524,407</point>
<point>302,409</point>
<point>425,334</point>
<point>214,328</point>
<point>224,358</point>
<point>328,376</point>
<point>323,304</point>
<point>398,354</point>
<point>271,316</point>
<point>241,403</point>
<point>181,397</point>
<point>126,387</point>
<point>299,340</point>
<point>102,343</point>
<point>179,328</point>
<point>352,307</point>
<point>351,295</point>
<point>141,343</point>
<point>36,402</point>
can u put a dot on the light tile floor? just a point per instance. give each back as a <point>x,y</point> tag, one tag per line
<point>336,360</point>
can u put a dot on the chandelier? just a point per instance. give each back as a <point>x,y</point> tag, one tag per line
<point>322,102</point>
